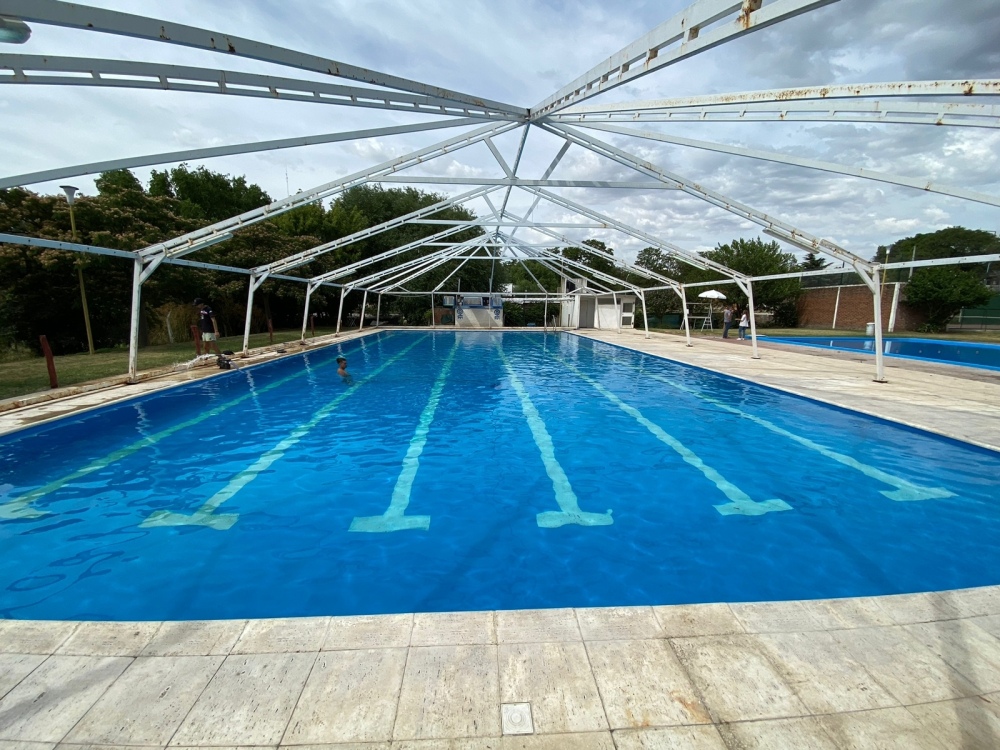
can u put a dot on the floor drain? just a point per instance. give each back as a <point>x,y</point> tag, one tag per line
<point>516,718</point>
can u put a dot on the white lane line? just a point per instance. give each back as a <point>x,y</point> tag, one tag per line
<point>206,515</point>
<point>740,503</point>
<point>569,506</point>
<point>395,518</point>
<point>905,491</point>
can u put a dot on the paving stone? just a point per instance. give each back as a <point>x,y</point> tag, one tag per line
<point>109,638</point>
<point>823,674</point>
<point>736,679</point>
<point>969,723</point>
<point>907,609</point>
<point>33,636</point>
<point>463,743</point>
<point>23,745</point>
<point>47,703</point>
<point>15,667</point>
<point>885,729</point>
<point>453,629</point>
<point>838,614</point>
<point>618,623</point>
<point>697,619</point>
<point>904,667</point>
<point>147,702</point>
<point>449,691</point>
<point>805,733</point>
<point>350,697</point>
<point>369,631</point>
<point>984,600</point>
<point>282,635</point>
<point>989,623</point>
<point>537,625</point>
<point>587,741</point>
<point>776,617</point>
<point>672,738</point>
<point>555,678</point>
<point>966,648</point>
<point>195,638</point>
<point>248,702</point>
<point>642,684</point>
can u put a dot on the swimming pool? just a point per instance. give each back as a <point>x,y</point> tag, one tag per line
<point>479,470</point>
<point>969,353</point>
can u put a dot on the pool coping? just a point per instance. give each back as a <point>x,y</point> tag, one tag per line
<point>923,666</point>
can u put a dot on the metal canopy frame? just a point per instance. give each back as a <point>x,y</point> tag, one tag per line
<point>705,24</point>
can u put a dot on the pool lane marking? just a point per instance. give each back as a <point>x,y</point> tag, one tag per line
<point>569,506</point>
<point>206,515</point>
<point>740,503</point>
<point>395,518</point>
<point>904,492</point>
<point>22,507</point>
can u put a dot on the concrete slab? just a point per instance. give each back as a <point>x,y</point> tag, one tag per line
<point>453,629</point>
<point>907,609</point>
<point>576,741</point>
<point>969,650</point>
<point>195,638</point>
<point>373,631</point>
<point>825,678</point>
<point>449,692</point>
<point>555,678</point>
<point>15,667</point>
<point>776,617</point>
<point>697,619</point>
<point>643,684</point>
<point>736,679</point>
<point>839,614</point>
<point>537,625</point>
<point>109,638</point>
<point>974,602</point>
<point>885,729</point>
<point>282,635</point>
<point>147,702</point>
<point>47,703</point>
<point>775,734</point>
<point>618,623</point>
<point>248,702</point>
<point>33,636</point>
<point>672,738</point>
<point>965,723</point>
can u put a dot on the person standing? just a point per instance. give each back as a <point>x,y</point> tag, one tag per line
<point>208,326</point>
<point>744,322</point>
<point>727,320</point>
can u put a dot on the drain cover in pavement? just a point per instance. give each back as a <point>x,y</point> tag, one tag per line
<point>516,718</point>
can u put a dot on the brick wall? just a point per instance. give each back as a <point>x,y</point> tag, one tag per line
<point>816,306</point>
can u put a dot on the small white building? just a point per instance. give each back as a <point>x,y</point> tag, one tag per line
<point>592,309</point>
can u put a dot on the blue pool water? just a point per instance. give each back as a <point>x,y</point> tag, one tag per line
<point>969,353</point>
<point>479,470</point>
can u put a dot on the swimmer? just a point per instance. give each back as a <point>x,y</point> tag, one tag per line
<point>342,370</point>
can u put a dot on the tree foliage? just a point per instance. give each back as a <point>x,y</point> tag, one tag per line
<point>941,291</point>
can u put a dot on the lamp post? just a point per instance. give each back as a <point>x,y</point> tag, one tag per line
<point>70,197</point>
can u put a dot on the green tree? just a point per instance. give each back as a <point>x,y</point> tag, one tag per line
<point>758,258</point>
<point>812,262</point>
<point>941,291</point>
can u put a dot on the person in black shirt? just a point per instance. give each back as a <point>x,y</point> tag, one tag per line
<point>208,327</point>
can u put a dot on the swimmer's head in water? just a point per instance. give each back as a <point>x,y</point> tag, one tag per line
<point>342,361</point>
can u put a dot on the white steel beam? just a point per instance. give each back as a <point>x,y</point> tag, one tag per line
<point>703,25</point>
<point>600,275</point>
<point>173,157</point>
<point>873,112</point>
<point>125,24</point>
<point>519,182</point>
<point>796,161</point>
<point>306,256</point>
<point>489,222</point>
<point>199,238</point>
<point>911,89</point>
<point>81,71</point>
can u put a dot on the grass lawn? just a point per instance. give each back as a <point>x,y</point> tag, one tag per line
<point>24,376</point>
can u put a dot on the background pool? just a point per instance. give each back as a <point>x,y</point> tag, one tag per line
<point>969,353</point>
<point>719,490</point>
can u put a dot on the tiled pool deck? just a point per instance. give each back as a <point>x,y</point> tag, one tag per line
<point>915,671</point>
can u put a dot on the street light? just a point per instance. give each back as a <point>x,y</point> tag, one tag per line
<point>70,197</point>
<point>13,31</point>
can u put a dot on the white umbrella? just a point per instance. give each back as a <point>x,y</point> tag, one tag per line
<point>710,295</point>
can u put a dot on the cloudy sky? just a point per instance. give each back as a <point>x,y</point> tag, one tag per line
<point>520,51</point>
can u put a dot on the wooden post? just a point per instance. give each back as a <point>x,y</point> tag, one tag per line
<point>197,340</point>
<point>270,330</point>
<point>49,362</point>
<point>312,324</point>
